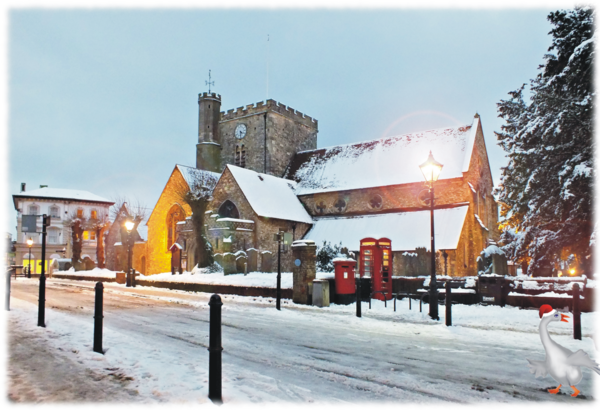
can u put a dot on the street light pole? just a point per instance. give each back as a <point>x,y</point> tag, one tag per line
<point>30,244</point>
<point>431,170</point>
<point>129,226</point>
<point>433,300</point>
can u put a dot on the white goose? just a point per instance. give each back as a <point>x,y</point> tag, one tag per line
<point>562,364</point>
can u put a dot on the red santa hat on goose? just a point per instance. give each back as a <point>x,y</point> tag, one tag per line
<point>545,309</point>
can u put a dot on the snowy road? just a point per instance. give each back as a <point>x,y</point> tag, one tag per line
<point>156,340</point>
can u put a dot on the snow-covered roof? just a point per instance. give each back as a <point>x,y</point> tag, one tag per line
<point>189,173</point>
<point>62,193</point>
<point>406,230</point>
<point>270,196</point>
<point>386,161</point>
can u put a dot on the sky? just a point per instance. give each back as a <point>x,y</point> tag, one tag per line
<point>105,99</point>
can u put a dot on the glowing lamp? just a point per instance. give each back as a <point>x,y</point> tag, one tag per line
<point>431,169</point>
<point>30,242</point>
<point>129,225</point>
<point>572,271</point>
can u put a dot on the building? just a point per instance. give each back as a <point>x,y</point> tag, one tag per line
<point>62,205</point>
<point>272,177</point>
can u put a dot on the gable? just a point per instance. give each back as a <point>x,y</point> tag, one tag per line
<point>269,196</point>
<point>172,193</point>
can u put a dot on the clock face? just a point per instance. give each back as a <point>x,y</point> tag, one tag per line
<point>240,131</point>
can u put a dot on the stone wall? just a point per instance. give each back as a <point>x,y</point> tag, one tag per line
<point>274,133</point>
<point>263,229</point>
<point>305,271</point>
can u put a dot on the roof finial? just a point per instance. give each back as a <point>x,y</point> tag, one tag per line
<point>476,114</point>
<point>209,83</point>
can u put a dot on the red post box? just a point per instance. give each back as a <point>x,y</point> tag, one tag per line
<point>345,284</point>
<point>376,263</point>
<point>344,276</point>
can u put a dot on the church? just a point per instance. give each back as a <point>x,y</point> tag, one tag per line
<point>269,176</point>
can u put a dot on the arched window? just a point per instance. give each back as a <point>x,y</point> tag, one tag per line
<point>34,210</point>
<point>175,214</point>
<point>228,210</point>
<point>240,156</point>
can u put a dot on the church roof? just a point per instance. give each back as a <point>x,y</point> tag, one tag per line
<point>190,173</point>
<point>386,161</point>
<point>406,230</point>
<point>270,196</point>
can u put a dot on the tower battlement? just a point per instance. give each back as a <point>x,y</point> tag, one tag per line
<point>270,105</point>
<point>214,96</point>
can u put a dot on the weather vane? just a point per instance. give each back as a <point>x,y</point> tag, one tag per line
<point>209,83</point>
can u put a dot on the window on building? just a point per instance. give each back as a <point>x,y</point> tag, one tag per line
<point>175,214</point>
<point>94,214</point>
<point>228,210</point>
<point>53,236</point>
<point>243,157</point>
<point>86,235</point>
<point>55,212</point>
<point>80,213</point>
<point>34,210</point>
<point>376,201</point>
<point>93,235</point>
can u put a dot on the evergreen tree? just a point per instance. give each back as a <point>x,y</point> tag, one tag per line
<point>547,187</point>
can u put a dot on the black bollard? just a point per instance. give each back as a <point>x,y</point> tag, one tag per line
<point>358,298</point>
<point>133,277</point>
<point>576,313</point>
<point>98,316</point>
<point>409,303</point>
<point>448,304</point>
<point>215,349</point>
<point>42,302</point>
<point>8,291</point>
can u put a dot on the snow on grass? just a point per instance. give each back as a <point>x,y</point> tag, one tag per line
<point>252,279</point>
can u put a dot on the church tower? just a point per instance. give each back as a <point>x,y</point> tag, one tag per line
<point>208,149</point>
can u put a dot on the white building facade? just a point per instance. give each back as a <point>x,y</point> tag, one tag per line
<point>62,205</point>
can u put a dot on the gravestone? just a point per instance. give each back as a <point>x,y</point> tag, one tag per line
<point>266,261</point>
<point>228,263</point>
<point>252,259</point>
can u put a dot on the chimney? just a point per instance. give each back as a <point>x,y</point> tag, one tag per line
<point>22,186</point>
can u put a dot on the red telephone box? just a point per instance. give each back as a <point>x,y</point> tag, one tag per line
<point>376,262</point>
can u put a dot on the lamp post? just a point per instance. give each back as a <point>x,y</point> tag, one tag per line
<point>129,227</point>
<point>30,244</point>
<point>431,170</point>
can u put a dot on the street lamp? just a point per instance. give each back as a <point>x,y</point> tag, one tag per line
<point>431,170</point>
<point>30,244</point>
<point>129,226</point>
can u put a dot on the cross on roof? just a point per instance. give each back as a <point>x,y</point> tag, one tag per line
<point>209,83</point>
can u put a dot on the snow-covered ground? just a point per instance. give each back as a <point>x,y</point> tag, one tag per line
<point>252,279</point>
<point>155,344</point>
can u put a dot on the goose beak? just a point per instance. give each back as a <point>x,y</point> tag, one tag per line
<point>563,318</point>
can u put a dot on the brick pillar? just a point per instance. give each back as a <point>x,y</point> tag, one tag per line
<point>304,269</point>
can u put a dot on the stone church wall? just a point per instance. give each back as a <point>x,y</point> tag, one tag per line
<point>283,130</point>
<point>158,258</point>
<point>260,238</point>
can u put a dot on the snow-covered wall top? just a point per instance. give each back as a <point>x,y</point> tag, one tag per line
<point>270,196</point>
<point>386,161</point>
<point>63,193</point>
<point>407,230</point>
